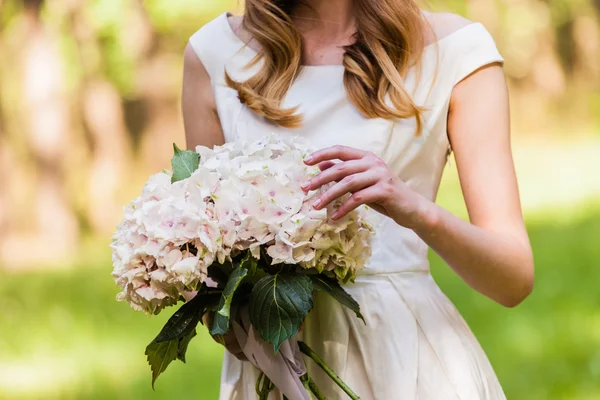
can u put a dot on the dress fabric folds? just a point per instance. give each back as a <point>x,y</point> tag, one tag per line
<point>415,344</point>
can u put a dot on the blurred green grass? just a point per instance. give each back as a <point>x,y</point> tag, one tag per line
<point>63,335</point>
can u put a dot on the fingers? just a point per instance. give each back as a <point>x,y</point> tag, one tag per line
<point>207,318</point>
<point>366,196</point>
<point>343,153</point>
<point>350,184</point>
<point>233,346</point>
<point>325,165</point>
<point>335,173</point>
<point>229,341</point>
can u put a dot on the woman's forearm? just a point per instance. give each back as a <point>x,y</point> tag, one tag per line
<point>493,255</point>
<point>498,265</point>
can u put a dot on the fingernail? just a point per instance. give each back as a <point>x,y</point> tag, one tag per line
<point>334,215</point>
<point>308,159</point>
<point>305,185</point>
<point>317,203</point>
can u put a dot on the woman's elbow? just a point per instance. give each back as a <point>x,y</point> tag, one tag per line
<point>518,296</point>
<point>522,288</point>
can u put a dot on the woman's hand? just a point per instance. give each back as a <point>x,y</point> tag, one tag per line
<point>229,341</point>
<point>369,181</point>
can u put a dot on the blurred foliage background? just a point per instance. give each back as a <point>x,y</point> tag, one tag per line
<point>89,105</point>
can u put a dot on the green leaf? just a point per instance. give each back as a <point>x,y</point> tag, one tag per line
<point>181,323</point>
<point>335,290</point>
<point>221,321</point>
<point>278,306</point>
<point>255,272</point>
<point>234,282</point>
<point>183,345</point>
<point>186,318</point>
<point>173,340</point>
<point>220,325</point>
<point>160,355</point>
<point>184,163</point>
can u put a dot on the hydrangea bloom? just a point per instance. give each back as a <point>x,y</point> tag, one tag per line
<point>243,196</point>
<point>165,243</point>
<point>260,195</point>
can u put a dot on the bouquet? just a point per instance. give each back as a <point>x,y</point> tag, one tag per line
<point>231,233</point>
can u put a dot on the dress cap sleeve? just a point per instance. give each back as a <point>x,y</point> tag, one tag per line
<point>471,48</point>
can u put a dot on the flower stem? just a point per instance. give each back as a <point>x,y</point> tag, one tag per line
<point>310,353</point>
<point>307,380</point>
<point>264,386</point>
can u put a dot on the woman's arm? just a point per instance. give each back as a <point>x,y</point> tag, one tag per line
<point>202,126</point>
<point>492,253</point>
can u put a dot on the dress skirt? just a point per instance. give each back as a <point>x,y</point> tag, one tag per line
<point>414,345</point>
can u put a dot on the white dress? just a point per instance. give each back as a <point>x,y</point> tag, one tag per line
<point>415,344</point>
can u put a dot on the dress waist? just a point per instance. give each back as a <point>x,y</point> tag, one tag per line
<point>421,267</point>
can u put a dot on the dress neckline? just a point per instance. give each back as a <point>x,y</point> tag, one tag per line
<point>233,35</point>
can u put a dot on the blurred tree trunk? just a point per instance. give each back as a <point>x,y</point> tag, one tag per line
<point>111,154</point>
<point>47,118</point>
<point>157,98</point>
<point>102,116</point>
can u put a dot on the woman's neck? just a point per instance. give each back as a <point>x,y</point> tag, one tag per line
<point>333,18</point>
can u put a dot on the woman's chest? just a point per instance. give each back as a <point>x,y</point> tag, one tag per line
<point>329,118</point>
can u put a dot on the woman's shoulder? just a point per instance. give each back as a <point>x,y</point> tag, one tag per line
<point>205,39</point>
<point>215,42</point>
<point>463,45</point>
<point>440,25</point>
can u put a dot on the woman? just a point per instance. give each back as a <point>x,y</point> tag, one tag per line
<point>384,89</point>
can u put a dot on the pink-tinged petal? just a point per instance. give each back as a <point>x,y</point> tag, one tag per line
<point>146,293</point>
<point>189,296</point>
<point>255,250</point>
<point>281,253</point>
<point>172,258</point>
<point>211,283</point>
<point>159,275</point>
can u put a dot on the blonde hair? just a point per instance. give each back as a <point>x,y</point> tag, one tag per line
<point>389,40</point>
